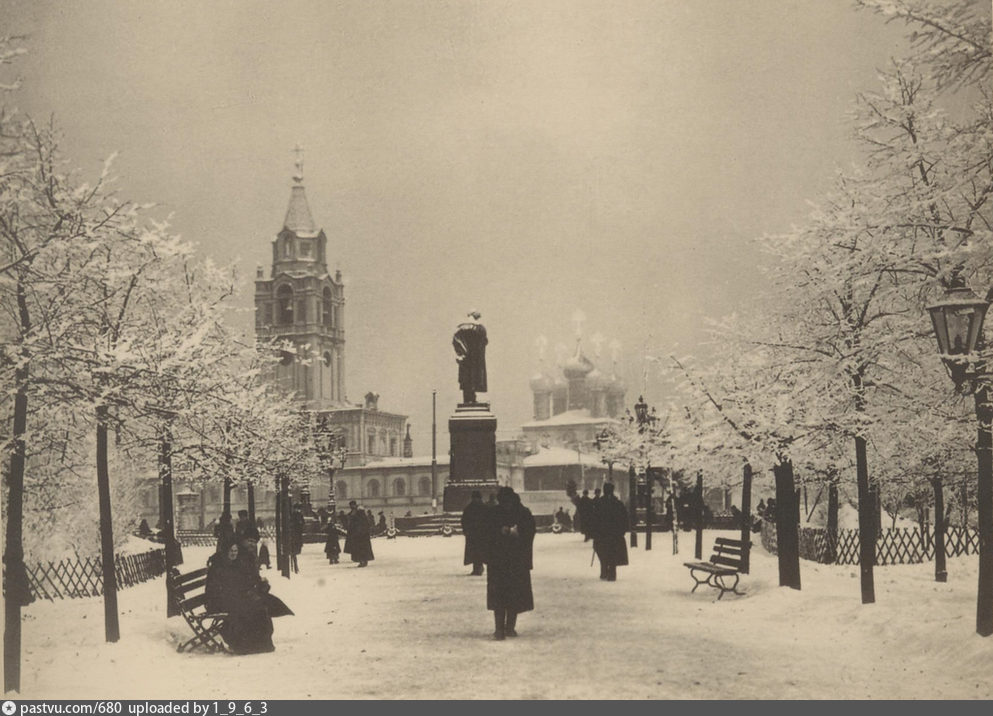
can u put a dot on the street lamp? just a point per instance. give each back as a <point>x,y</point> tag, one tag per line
<point>332,454</point>
<point>958,326</point>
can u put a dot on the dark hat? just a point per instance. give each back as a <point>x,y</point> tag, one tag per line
<point>353,503</point>
<point>242,513</point>
<point>505,495</point>
<point>608,488</point>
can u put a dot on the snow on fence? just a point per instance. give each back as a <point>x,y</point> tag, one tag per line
<point>83,576</point>
<point>899,545</point>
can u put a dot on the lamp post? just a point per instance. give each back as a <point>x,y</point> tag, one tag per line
<point>958,326</point>
<point>333,456</point>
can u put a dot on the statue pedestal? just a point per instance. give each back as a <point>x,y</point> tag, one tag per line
<point>473,455</point>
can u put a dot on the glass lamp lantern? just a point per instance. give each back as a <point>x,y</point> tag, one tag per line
<point>957,319</point>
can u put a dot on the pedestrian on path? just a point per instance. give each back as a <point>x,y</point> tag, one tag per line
<point>611,522</point>
<point>509,551</point>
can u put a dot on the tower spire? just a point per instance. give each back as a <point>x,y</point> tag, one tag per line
<point>298,217</point>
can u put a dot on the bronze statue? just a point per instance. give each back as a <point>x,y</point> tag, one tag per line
<point>470,352</point>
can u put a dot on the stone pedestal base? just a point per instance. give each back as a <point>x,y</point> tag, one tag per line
<point>473,458</point>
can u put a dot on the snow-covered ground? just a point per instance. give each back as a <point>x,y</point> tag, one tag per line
<point>414,625</point>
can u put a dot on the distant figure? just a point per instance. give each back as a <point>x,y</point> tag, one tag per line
<point>381,523</point>
<point>357,541</point>
<point>296,537</point>
<point>474,529</point>
<point>143,529</point>
<point>224,530</point>
<point>560,517</point>
<point>264,556</point>
<point>611,518</point>
<point>470,353</point>
<point>332,547</point>
<point>509,553</point>
<point>584,515</point>
<point>760,510</point>
<point>248,539</point>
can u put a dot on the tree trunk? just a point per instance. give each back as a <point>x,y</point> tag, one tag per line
<point>787,525</point>
<point>227,497</point>
<point>867,531</point>
<point>111,626</point>
<point>633,504</point>
<point>832,523</point>
<point>984,504</point>
<point>698,547</point>
<point>287,530</point>
<point>17,587</point>
<point>746,518</point>
<point>940,570</point>
<point>649,484</point>
<point>251,503</point>
<point>280,537</point>
<point>173,550</point>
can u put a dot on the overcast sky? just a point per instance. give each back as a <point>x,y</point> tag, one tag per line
<point>527,159</point>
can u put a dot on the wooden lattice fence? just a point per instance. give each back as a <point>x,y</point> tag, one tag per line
<point>899,545</point>
<point>83,576</point>
<point>201,538</point>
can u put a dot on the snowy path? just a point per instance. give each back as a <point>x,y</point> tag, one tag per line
<point>414,625</point>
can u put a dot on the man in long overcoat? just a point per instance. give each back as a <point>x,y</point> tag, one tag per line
<point>509,552</point>
<point>611,519</point>
<point>474,528</point>
<point>584,513</point>
<point>358,542</point>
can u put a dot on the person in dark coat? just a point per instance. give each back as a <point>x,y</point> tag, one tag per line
<point>611,518</point>
<point>357,542</point>
<point>237,591</point>
<point>296,537</point>
<point>332,548</point>
<point>264,556</point>
<point>474,528</point>
<point>224,530</point>
<point>584,516</point>
<point>509,554</point>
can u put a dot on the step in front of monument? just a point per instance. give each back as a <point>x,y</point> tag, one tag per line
<point>427,525</point>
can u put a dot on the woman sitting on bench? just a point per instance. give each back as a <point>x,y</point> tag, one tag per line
<point>237,590</point>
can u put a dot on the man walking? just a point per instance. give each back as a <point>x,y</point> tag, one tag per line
<point>473,527</point>
<point>611,522</point>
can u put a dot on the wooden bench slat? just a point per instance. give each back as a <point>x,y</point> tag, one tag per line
<point>725,561</point>
<point>728,551</point>
<point>192,586</point>
<point>729,542</point>
<point>188,605</point>
<point>190,576</point>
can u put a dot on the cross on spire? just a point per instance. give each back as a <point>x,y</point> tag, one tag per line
<point>298,176</point>
<point>579,318</point>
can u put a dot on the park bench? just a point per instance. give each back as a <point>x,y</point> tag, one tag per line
<point>724,563</point>
<point>188,592</point>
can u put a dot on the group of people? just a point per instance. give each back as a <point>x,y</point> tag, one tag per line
<point>235,588</point>
<point>603,518</point>
<point>357,528</point>
<point>500,535</point>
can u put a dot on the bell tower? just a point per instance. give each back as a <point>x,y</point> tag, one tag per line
<point>302,304</point>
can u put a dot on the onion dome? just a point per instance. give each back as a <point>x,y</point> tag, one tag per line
<point>615,385</point>
<point>596,381</point>
<point>541,382</point>
<point>578,366</point>
<point>559,385</point>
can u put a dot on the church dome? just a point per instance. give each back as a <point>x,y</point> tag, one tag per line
<point>578,366</point>
<point>541,382</point>
<point>615,385</point>
<point>559,384</point>
<point>596,381</point>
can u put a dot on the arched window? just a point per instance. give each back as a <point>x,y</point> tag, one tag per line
<point>284,310</point>
<point>372,488</point>
<point>424,486</point>
<point>341,490</point>
<point>302,311</point>
<point>399,487</point>
<point>328,309</point>
<point>371,442</point>
<point>327,358</point>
